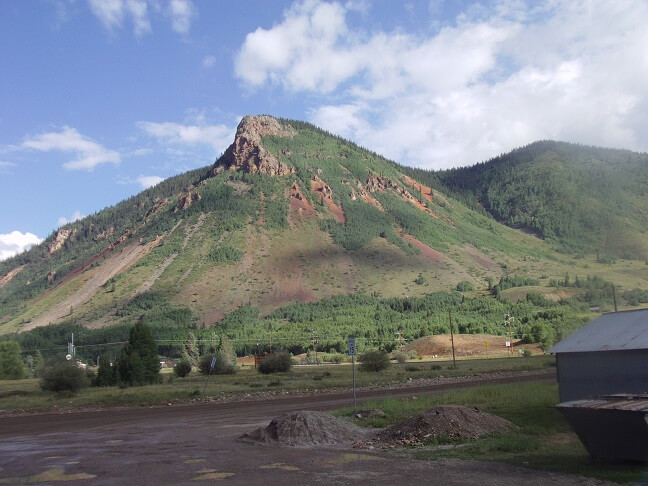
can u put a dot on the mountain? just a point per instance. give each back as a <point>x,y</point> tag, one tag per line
<point>583,199</point>
<point>291,214</point>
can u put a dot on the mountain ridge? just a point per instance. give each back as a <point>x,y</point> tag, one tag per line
<point>288,214</point>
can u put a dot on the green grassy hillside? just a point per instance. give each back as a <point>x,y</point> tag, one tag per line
<point>584,199</point>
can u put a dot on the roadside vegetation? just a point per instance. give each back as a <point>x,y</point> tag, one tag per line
<point>27,395</point>
<point>545,440</point>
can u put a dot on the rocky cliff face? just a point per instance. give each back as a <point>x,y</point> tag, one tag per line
<point>247,153</point>
<point>61,237</point>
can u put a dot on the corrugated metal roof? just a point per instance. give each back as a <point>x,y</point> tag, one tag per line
<point>610,332</point>
<point>627,402</point>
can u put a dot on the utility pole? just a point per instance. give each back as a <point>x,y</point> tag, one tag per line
<point>614,298</point>
<point>399,338</point>
<point>314,342</point>
<point>454,362</point>
<point>71,347</point>
<point>508,319</point>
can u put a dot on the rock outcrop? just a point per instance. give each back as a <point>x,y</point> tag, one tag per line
<point>184,201</point>
<point>61,237</point>
<point>320,187</point>
<point>247,153</point>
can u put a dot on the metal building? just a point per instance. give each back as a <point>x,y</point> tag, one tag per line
<point>607,356</point>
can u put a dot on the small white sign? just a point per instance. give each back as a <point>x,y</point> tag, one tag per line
<point>351,346</point>
<point>508,344</point>
<point>68,357</point>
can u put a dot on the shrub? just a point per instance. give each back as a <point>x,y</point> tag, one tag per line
<point>373,361</point>
<point>465,286</point>
<point>182,368</point>
<point>225,254</point>
<point>399,356</point>
<point>106,374</point>
<point>222,366</point>
<point>275,363</point>
<point>64,377</point>
<point>412,368</point>
<point>435,367</point>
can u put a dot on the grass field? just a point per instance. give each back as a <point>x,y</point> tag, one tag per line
<point>27,395</point>
<point>545,440</point>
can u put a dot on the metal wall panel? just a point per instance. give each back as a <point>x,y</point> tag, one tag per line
<point>585,375</point>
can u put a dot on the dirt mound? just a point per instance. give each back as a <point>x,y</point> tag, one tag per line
<point>467,345</point>
<point>306,429</point>
<point>448,421</point>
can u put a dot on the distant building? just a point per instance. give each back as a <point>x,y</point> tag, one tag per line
<point>607,356</point>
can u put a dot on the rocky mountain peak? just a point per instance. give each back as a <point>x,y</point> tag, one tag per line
<point>247,153</point>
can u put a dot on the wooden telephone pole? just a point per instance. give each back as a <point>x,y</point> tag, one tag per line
<point>454,362</point>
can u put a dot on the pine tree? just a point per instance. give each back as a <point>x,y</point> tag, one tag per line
<point>11,364</point>
<point>191,348</point>
<point>139,362</point>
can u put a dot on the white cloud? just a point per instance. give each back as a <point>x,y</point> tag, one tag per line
<point>149,181</point>
<point>88,152</point>
<point>140,152</point>
<point>209,62</point>
<point>113,13</point>
<point>16,242</point>
<point>6,164</point>
<point>500,76</point>
<point>76,215</point>
<point>139,13</point>
<point>216,136</point>
<point>182,13</point>
<point>109,12</point>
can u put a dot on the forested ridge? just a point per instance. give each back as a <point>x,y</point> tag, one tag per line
<point>580,197</point>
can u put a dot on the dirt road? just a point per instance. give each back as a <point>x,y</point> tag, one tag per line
<point>185,444</point>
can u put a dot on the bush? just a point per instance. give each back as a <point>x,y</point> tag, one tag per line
<point>465,286</point>
<point>435,367</point>
<point>106,374</point>
<point>225,254</point>
<point>223,366</point>
<point>64,377</point>
<point>399,356</point>
<point>183,368</point>
<point>412,368</point>
<point>373,361</point>
<point>275,363</point>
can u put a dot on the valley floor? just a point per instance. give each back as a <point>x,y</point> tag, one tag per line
<point>182,445</point>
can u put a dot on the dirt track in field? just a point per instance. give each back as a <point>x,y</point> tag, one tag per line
<point>186,444</point>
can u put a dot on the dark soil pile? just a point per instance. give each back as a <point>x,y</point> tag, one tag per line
<point>307,429</point>
<point>443,422</point>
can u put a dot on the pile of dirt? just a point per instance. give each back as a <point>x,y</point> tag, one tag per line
<point>468,345</point>
<point>306,429</point>
<point>448,421</point>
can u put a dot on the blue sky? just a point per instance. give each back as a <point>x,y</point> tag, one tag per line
<point>101,98</point>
